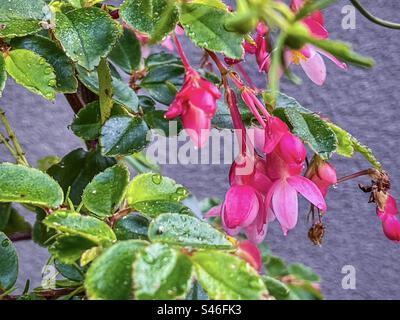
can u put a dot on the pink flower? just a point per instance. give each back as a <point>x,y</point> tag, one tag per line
<point>263,54</point>
<point>324,176</point>
<point>309,57</point>
<point>196,104</point>
<point>250,253</point>
<point>391,227</point>
<point>390,207</point>
<point>284,167</point>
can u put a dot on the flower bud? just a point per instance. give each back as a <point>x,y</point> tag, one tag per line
<point>391,227</point>
<point>249,252</point>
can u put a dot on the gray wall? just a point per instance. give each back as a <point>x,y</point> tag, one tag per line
<point>363,101</point>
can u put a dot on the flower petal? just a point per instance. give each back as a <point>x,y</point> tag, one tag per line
<point>214,212</point>
<point>285,205</point>
<point>315,69</point>
<point>197,125</point>
<point>335,60</point>
<point>308,190</point>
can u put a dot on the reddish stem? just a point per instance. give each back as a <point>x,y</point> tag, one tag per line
<point>185,61</point>
<point>245,75</point>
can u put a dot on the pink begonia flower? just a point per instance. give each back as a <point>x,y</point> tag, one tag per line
<point>309,57</point>
<point>390,222</point>
<point>196,104</point>
<point>324,177</point>
<point>262,52</point>
<point>249,252</point>
<point>284,167</point>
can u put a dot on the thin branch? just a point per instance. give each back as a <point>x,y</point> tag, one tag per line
<point>374,19</point>
<point>20,236</point>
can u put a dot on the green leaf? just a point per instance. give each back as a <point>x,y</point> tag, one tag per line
<point>161,273</point>
<point>69,249</point>
<point>227,277</point>
<point>223,119</point>
<point>155,120</point>
<point>141,163</point>
<point>164,78</point>
<point>64,69</point>
<point>151,192</point>
<point>73,223</point>
<point>5,212</point>
<point>27,185</point>
<point>32,71</point>
<point>105,193</point>
<point>123,135</point>
<point>205,26</point>
<point>126,54</point>
<point>87,35</point>
<point>77,169</point>
<point>41,234</point>
<point>16,224</point>
<point>87,123</point>
<point>122,93</point>
<point>3,74</point>
<point>311,129</point>
<point>132,226</point>
<point>347,145</point>
<point>276,288</point>
<point>184,230</point>
<point>45,163</point>
<point>303,272</point>
<point>110,275</point>
<point>89,255</point>
<point>105,90</point>
<point>21,17</point>
<point>69,271</point>
<point>8,263</point>
<point>154,17</point>
<point>275,266</point>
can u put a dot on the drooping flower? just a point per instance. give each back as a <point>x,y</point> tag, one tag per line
<point>309,57</point>
<point>196,104</point>
<point>388,216</point>
<point>323,174</point>
<point>249,252</point>
<point>263,52</point>
<point>284,167</point>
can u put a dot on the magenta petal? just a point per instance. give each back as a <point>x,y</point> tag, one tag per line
<point>316,28</point>
<point>274,132</point>
<point>213,212</point>
<point>315,69</point>
<point>285,205</point>
<point>308,190</point>
<point>250,252</point>
<point>197,125</point>
<point>176,109</point>
<point>241,207</point>
<point>391,227</point>
<point>336,61</point>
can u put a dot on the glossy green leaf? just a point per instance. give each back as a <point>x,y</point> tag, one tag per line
<point>8,263</point>
<point>123,135</point>
<point>161,273</point>
<point>69,271</point>
<point>126,54</point>
<point>132,226</point>
<point>227,277</point>
<point>21,17</point>
<point>156,120</point>
<point>347,145</point>
<point>87,123</point>
<point>68,249</point>
<point>32,71</point>
<point>303,272</point>
<point>77,169</point>
<point>42,234</point>
<point>150,191</point>
<point>311,129</point>
<point>86,34</point>
<point>105,192</point>
<point>164,78</point>
<point>5,212</point>
<point>184,230</point>
<point>16,224</point>
<point>76,224</point>
<point>154,17</point>
<point>122,93</point>
<point>276,288</point>
<point>63,67</point>
<point>275,266</point>
<point>110,275</point>
<point>3,74</point>
<point>205,26</point>
<point>45,163</point>
<point>27,185</point>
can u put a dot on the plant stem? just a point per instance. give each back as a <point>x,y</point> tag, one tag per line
<point>356,175</point>
<point>20,236</point>
<point>372,18</point>
<point>20,153</point>
<point>185,61</point>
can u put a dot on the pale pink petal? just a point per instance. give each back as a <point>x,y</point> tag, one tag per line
<point>315,69</point>
<point>308,190</point>
<point>214,212</point>
<point>336,61</point>
<point>285,205</point>
<point>168,44</point>
<point>274,132</point>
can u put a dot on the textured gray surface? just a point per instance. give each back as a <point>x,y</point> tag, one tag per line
<point>363,101</point>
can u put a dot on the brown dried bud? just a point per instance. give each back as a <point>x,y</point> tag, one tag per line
<point>316,233</point>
